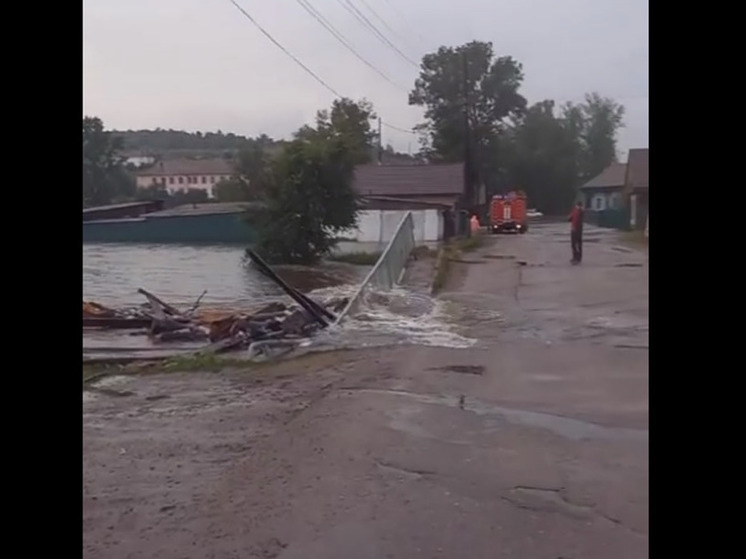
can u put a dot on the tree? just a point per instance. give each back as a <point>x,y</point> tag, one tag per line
<point>153,192</point>
<point>104,176</point>
<point>350,122</point>
<point>188,196</point>
<point>596,123</point>
<point>232,190</point>
<point>461,85</point>
<point>550,156</point>
<point>540,157</point>
<point>251,170</point>
<point>309,199</point>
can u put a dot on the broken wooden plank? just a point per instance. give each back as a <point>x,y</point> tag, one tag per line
<point>196,303</point>
<point>293,293</point>
<point>116,322</point>
<point>323,311</point>
<point>159,303</point>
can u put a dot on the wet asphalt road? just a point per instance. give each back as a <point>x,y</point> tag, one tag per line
<point>533,443</point>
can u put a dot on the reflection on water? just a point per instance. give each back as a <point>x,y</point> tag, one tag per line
<point>178,274</point>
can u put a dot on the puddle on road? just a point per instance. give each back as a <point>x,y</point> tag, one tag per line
<point>617,324</point>
<point>566,427</point>
<point>109,384</point>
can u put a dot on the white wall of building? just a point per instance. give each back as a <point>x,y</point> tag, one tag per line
<point>379,226</point>
<point>179,182</point>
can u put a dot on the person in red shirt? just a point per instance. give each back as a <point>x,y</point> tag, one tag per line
<point>576,233</point>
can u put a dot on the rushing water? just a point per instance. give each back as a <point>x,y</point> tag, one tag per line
<point>178,274</point>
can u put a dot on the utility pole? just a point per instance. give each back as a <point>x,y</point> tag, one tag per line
<point>380,142</point>
<point>467,197</point>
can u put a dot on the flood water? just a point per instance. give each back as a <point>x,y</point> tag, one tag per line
<point>178,274</point>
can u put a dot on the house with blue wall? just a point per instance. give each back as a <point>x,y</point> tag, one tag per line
<point>606,190</point>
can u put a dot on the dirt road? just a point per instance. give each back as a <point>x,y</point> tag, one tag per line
<point>530,445</point>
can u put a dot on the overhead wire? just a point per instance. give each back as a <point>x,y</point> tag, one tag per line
<point>363,19</point>
<point>376,15</point>
<point>298,61</point>
<point>404,19</point>
<point>283,49</point>
<point>318,16</point>
<point>387,125</point>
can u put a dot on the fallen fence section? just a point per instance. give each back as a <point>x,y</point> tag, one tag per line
<point>390,267</point>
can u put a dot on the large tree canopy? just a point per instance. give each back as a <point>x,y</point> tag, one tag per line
<point>308,189</point>
<point>104,176</point>
<point>309,200</point>
<point>596,123</point>
<point>550,153</point>
<point>466,82</point>
<point>540,157</point>
<point>348,121</point>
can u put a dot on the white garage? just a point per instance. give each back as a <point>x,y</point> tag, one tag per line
<point>379,226</point>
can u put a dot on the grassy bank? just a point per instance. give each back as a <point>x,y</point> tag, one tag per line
<point>204,362</point>
<point>356,258</point>
<point>450,252</point>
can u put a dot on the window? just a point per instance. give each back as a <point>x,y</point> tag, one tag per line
<point>170,180</point>
<point>212,180</point>
<point>204,180</point>
<point>599,203</point>
<point>154,180</point>
<point>181,180</point>
<point>163,180</point>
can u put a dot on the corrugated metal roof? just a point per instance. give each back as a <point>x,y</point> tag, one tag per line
<point>409,180</point>
<point>205,209</point>
<point>611,177</point>
<point>119,206</point>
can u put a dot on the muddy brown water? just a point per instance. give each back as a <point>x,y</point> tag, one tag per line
<point>178,274</point>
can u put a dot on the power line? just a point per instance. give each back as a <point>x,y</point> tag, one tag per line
<point>318,16</point>
<point>378,32</point>
<point>296,60</point>
<point>283,49</point>
<point>387,125</point>
<point>361,17</point>
<point>404,19</point>
<point>383,21</point>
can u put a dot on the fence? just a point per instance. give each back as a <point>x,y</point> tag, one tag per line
<point>389,269</point>
<point>613,219</point>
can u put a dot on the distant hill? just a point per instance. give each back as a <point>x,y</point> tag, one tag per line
<point>178,143</point>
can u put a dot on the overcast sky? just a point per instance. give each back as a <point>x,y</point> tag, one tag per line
<point>202,65</point>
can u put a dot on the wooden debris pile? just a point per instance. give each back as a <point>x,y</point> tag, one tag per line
<point>221,330</point>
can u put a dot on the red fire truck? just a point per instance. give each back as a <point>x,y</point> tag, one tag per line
<point>508,213</point>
